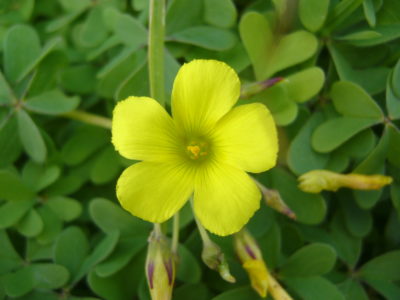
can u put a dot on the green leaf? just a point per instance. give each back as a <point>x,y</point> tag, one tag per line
<point>197,291</point>
<point>334,132</point>
<point>371,79</point>
<point>394,146</point>
<point>266,55</point>
<point>389,290</point>
<point>9,139</point>
<point>314,288</point>
<point>74,5</point>
<point>65,208</point>
<point>304,85</point>
<point>12,187</point>
<point>79,79</point>
<point>102,250</point>
<point>384,267</point>
<point>384,34</point>
<point>71,249</point>
<point>110,217</point>
<point>12,212</point>
<point>392,103</point>
<point>221,13</point>
<point>183,14</point>
<point>188,270</point>
<point>313,13</point>
<point>309,208</point>
<point>94,29</point>
<point>6,94</point>
<point>20,282</point>
<point>369,12</point>
<point>311,260</point>
<point>301,156</point>
<point>123,253</point>
<point>347,247</point>
<point>49,276</point>
<point>278,102</point>
<point>360,36</point>
<point>358,221</point>
<point>353,290</point>
<point>79,147</point>
<point>17,40</point>
<point>243,293</point>
<point>31,138</point>
<point>119,286</point>
<point>351,100</point>
<point>206,37</point>
<point>374,161</point>
<point>130,31</point>
<point>360,145</point>
<point>52,103</point>
<point>106,166</point>
<point>9,258</point>
<point>31,224</point>
<point>396,79</point>
<point>52,225</point>
<point>38,177</point>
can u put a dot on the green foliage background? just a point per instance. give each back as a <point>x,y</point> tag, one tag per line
<point>62,233</point>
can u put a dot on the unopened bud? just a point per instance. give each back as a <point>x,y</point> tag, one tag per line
<point>251,258</point>
<point>214,258</point>
<point>160,267</point>
<point>252,261</point>
<point>317,180</point>
<point>274,200</point>
<point>251,89</point>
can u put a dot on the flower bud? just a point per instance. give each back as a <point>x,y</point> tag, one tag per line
<point>251,258</point>
<point>317,180</point>
<point>214,258</point>
<point>160,267</point>
<point>261,280</point>
<point>274,200</point>
<point>251,89</point>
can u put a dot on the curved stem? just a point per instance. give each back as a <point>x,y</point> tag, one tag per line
<point>88,118</point>
<point>175,233</point>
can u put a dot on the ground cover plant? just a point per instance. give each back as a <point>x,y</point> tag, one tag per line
<point>328,223</point>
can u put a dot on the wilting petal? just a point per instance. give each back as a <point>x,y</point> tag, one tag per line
<point>225,198</point>
<point>246,138</point>
<point>143,130</point>
<point>203,91</point>
<point>154,191</point>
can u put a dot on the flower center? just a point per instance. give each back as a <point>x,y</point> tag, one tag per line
<point>197,150</point>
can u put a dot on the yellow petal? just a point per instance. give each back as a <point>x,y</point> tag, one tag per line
<point>258,274</point>
<point>143,130</point>
<point>203,91</point>
<point>246,138</point>
<point>225,198</point>
<point>155,191</point>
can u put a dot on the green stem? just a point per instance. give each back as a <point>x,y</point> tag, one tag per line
<point>175,233</point>
<point>203,233</point>
<point>156,50</point>
<point>157,229</point>
<point>89,118</point>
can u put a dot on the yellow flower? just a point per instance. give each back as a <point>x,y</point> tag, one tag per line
<point>205,150</point>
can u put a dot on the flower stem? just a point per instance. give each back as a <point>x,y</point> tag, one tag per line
<point>156,50</point>
<point>89,118</point>
<point>175,234</point>
<point>203,233</point>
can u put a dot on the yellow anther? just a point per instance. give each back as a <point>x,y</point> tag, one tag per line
<point>194,150</point>
<point>197,149</point>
